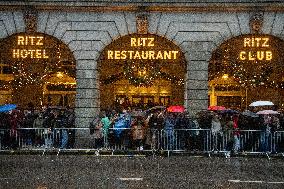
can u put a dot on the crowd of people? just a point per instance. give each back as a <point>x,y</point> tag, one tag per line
<point>48,127</point>
<point>139,130</point>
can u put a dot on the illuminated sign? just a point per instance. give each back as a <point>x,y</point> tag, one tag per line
<point>34,51</point>
<point>137,42</point>
<point>256,42</point>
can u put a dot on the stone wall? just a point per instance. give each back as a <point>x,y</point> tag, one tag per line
<point>87,33</point>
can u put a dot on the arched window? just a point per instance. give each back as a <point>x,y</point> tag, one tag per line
<point>33,61</point>
<point>141,71</point>
<point>247,68</point>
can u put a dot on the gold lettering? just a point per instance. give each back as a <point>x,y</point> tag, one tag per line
<point>175,54</point>
<point>144,54</point>
<point>151,42</point>
<point>167,54</point>
<point>252,42</point>
<point>151,55</point>
<point>38,53</point>
<point>268,55</point>
<point>32,40</point>
<point>250,57</point>
<point>24,53</point>
<point>40,38</point>
<point>257,41</point>
<point>43,54</point>
<point>116,55</point>
<point>265,43</point>
<point>143,41</point>
<point>130,54</point>
<point>31,52</point>
<point>260,55</point>
<point>133,42</point>
<point>246,42</point>
<point>159,55</point>
<point>16,53</point>
<point>123,55</point>
<point>137,55</point>
<point>242,55</point>
<point>26,40</point>
<point>109,54</point>
<point>21,40</point>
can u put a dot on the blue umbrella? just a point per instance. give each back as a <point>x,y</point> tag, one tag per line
<point>7,107</point>
<point>229,111</point>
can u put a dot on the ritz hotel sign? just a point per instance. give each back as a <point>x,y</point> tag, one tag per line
<point>142,54</point>
<point>29,47</point>
<point>256,42</point>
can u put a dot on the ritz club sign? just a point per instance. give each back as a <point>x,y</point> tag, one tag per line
<point>137,51</point>
<point>256,43</point>
<point>29,46</point>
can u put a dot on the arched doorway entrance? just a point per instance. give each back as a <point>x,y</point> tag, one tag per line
<point>140,71</point>
<point>247,68</point>
<point>37,69</point>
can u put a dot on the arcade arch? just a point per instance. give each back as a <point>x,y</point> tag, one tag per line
<point>141,70</point>
<point>247,68</point>
<point>36,68</point>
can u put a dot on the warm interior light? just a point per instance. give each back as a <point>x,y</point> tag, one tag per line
<point>225,76</point>
<point>59,74</point>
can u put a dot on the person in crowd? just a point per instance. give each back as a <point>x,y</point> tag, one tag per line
<point>105,127</point>
<point>194,142</point>
<point>217,133</point>
<point>170,124</point>
<point>59,123</point>
<point>48,116</point>
<point>5,130</point>
<point>121,126</point>
<point>265,133</point>
<point>28,133</point>
<point>138,132</point>
<point>236,133</point>
<point>95,129</point>
<point>155,125</point>
<point>16,122</point>
<point>70,116</point>
<point>276,136</point>
<point>38,126</point>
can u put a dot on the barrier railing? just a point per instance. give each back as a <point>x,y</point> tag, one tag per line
<point>129,139</point>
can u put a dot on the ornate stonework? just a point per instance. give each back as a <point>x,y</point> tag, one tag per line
<point>142,23</point>
<point>256,22</point>
<point>30,16</point>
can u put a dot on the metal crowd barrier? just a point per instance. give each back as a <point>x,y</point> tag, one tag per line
<point>129,139</point>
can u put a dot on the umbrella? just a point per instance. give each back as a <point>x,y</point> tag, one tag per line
<point>155,108</point>
<point>261,103</point>
<point>249,114</point>
<point>263,112</point>
<point>229,111</point>
<point>176,108</point>
<point>7,107</point>
<point>216,108</point>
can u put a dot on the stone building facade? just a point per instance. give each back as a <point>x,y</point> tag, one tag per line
<point>88,27</point>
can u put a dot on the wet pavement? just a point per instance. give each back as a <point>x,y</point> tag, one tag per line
<point>119,172</point>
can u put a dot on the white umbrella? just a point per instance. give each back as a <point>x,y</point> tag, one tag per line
<point>263,112</point>
<point>249,114</point>
<point>261,103</point>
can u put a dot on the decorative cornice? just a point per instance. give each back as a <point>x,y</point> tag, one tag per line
<point>277,7</point>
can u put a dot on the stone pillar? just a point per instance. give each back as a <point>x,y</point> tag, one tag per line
<point>87,100</point>
<point>196,91</point>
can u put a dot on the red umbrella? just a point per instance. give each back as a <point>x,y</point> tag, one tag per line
<point>216,108</point>
<point>175,108</point>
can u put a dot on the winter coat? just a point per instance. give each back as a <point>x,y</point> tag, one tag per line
<point>216,127</point>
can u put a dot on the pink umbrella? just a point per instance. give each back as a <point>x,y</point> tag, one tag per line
<point>216,108</point>
<point>263,112</point>
<point>175,108</point>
